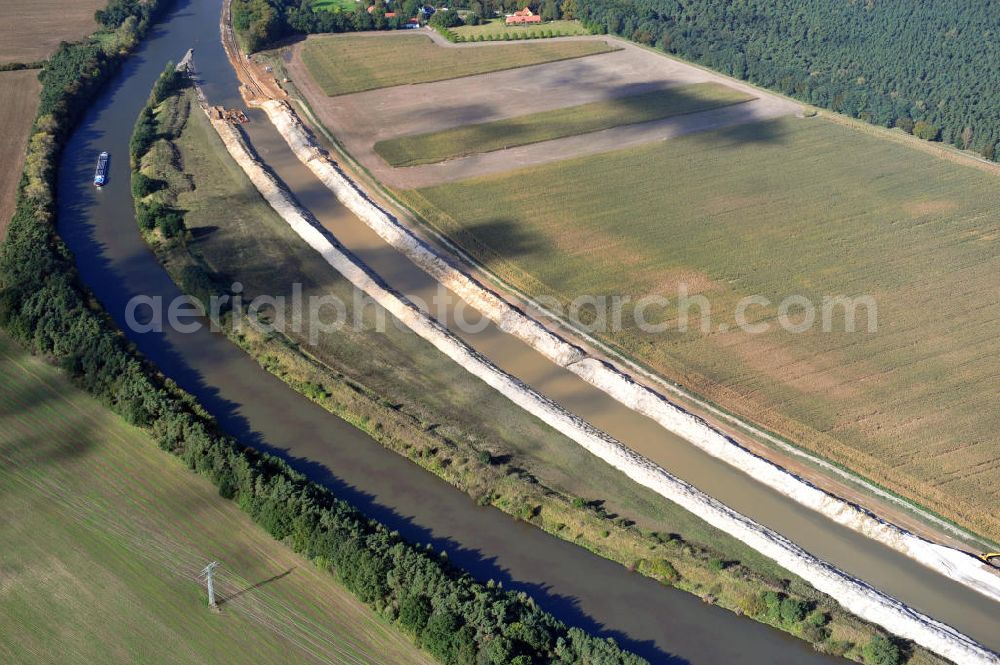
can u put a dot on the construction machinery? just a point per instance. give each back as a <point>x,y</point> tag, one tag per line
<point>232,116</point>
<point>992,558</point>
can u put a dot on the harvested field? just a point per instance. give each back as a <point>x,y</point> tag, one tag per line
<point>30,30</point>
<point>344,64</point>
<point>104,534</point>
<point>780,208</point>
<point>497,29</point>
<point>557,123</point>
<point>363,119</point>
<point>19,90</point>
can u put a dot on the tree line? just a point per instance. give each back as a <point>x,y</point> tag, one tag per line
<point>259,23</point>
<point>44,305</point>
<point>927,68</point>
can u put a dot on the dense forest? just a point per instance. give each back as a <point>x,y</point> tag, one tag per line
<point>930,68</point>
<point>45,307</point>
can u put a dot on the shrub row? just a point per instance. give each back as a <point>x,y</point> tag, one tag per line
<point>45,307</point>
<point>17,66</point>
<point>153,215</point>
<point>456,38</point>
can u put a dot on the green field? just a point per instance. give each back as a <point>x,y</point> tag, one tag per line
<point>334,5</point>
<point>343,64</point>
<point>103,534</point>
<point>780,208</point>
<point>496,29</point>
<point>558,123</point>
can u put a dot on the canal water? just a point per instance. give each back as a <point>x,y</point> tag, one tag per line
<point>661,624</point>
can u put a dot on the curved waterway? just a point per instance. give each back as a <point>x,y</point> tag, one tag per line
<point>661,624</point>
<point>889,570</point>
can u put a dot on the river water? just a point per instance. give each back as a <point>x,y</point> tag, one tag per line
<point>661,624</point>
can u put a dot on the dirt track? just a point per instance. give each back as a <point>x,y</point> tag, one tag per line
<point>362,119</point>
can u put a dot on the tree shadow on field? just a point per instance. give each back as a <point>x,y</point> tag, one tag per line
<point>755,131</point>
<point>507,238</point>
<point>202,232</point>
<point>52,442</point>
<point>452,116</point>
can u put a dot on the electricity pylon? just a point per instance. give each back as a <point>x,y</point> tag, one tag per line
<point>207,574</point>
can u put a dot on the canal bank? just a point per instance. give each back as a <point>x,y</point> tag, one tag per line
<point>584,590</point>
<point>853,552</point>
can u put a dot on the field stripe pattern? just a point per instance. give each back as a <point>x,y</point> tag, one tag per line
<point>559,123</point>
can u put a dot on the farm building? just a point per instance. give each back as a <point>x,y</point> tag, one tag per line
<point>523,16</point>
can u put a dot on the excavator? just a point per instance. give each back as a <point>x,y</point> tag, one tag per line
<point>991,558</point>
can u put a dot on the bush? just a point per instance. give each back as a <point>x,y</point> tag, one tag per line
<point>818,618</point>
<point>772,606</point>
<point>926,131</point>
<point>446,19</point>
<point>792,611</point>
<point>660,569</point>
<point>142,185</point>
<point>814,634</point>
<point>880,651</point>
<point>144,216</point>
<point>167,83</point>
<point>142,136</point>
<point>906,124</point>
<point>171,224</point>
<point>752,605</point>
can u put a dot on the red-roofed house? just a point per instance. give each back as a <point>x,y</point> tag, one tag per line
<point>523,16</point>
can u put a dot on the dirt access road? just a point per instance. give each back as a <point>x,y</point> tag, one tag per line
<point>362,119</point>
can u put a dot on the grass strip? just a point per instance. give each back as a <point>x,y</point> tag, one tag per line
<point>344,64</point>
<point>558,123</point>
